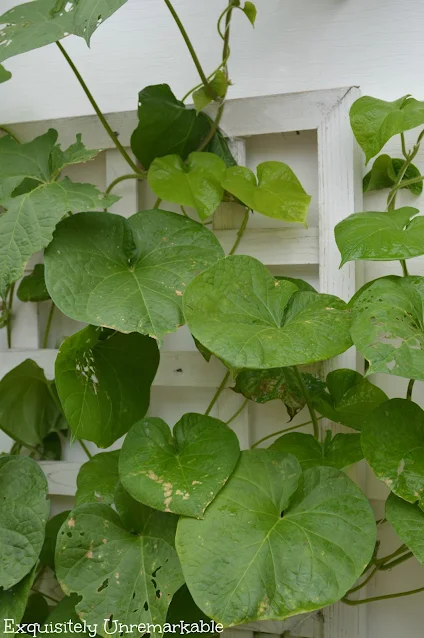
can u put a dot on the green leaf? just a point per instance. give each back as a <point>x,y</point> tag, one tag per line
<point>251,12</point>
<point>219,146</point>
<point>393,444</point>
<point>30,220</point>
<point>23,514</point>
<point>5,75</point>
<point>33,286</point>
<point>103,379</point>
<point>166,126</point>
<point>248,319</point>
<point>379,236</point>
<point>49,547</point>
<point>350,398</point>
<point>388,327</point>
<point>97,479</point>
<point>281,543</point>
<point>262,386</point>
<point>75,154</point>
<point>300,283</point>
<point>28,412</point>
<point>219,87</point>
<point>408,523</point>
<point>139,268</point>
<point>31,160</point>
<point>339,452</point>
<point>384,173</point>
<point>36,610</point>
<point>35,24</point>
<point>183,608</point>
<point>196,183</point>
<point>141,519</point>
<point>130,577</point>
<point>374,121</point>
<point>180,473</point>
<point>64,613</point>
<point>277,193</point>
<point>13,602</point>
<point>51,447</point>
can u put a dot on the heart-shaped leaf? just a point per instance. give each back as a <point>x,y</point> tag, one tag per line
<point>408,523</point>
<point>23,514</point>
<point>180,473</point>
<point>28,412</point>
<point>49,546</point>
<point>35,24</point>
<point>219,86</point>
<point>127,274</point>
<point>103,379</point>
<point>374,121</point>
<point>269,525</point>
<point>248,319</point>
<point>393,444</point>
<point>183,608</point>
<point>262,386</point>
<point>141,519</point>
<point>196,183</point>
<point>33,286</point>
<point>166,126</point>
<point>13,602</point>
<point>277,192</point>
<point>350,398</point>
<point>388,326</point>
<point>219,145</point>
<point>251,12</point>
<point>130,577</point>
<point>339,452</point>
<point>385,171</point>
<point>97,479</point>
<point>378,236</point>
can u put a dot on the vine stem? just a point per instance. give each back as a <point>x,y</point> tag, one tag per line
<point>218,392</point>
<point>191,49</point>
<point>293,427</point>
<point>157,203</point>
<point>48,325</point>
<point>9,315</point>
<point>380,564</point>
<point>240,232</point>
<point>239,411</point>
<point>95,106</point>
<point>85,448</point>
<point>308,400</point>
<point>120,179</point>
<point>363,601</point>
<point>410,388</point>
<point>8,132</point>
<point>396,562</point>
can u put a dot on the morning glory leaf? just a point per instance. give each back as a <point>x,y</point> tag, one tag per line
<point>350,398</point>
<point>13,601</point>
<point>183,608</point>
<point>65,615</point>
<point>269,524</point>
<point>103,379</point>
<point>49,546</point>
<point>408,522</point>
<point>276,193</point>
<point>166,126</point>
<point>90,14</point>
<point>139,268</point>
<point>28,224</point>
<point>219,87</point>
<point>36,610</point>
<point>262,386</point>
<point>374,121</point>
<point>141,519</point>
<point>74,154</point>
<point>31,160</point>
<point>339,452</point>
<point>28,412</point>
<point>130,577</point>
<point>393,444</point>
<point>251,12</point>
<point>388,327</point>
<point>180,472</point>
<point>196,183</point>
<point>384,173</point>
<point>5,75</point>
<point>219,146</point>
<point>33,286</point>
<point>250,320</point>
<point>24,509</point>
<point>97,479</point>
<point>376,236</point>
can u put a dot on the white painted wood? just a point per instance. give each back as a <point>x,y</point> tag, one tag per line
<point>61,476</point>
<point>126,190</point>
<point>274,247</point>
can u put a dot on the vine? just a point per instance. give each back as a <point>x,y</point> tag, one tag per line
<point>218,530</point>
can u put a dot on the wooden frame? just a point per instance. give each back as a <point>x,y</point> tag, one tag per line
<point>339,195</point>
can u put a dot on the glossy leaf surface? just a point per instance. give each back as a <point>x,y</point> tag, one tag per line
<point>248,319</point>
<point>180,472</point>
<point>33,286</point>
<point>139,268</point>
<point>385,171</point>
<point>338,452</point>
<point>103,379</point>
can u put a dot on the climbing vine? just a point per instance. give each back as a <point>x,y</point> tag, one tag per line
<point>179,524</point>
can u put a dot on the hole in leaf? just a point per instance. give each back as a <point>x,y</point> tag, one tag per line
<point>146,606</point>
<point>282,515</point>
<point>103,586</point>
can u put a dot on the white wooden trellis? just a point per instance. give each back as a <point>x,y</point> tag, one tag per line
<point>327,112</point>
